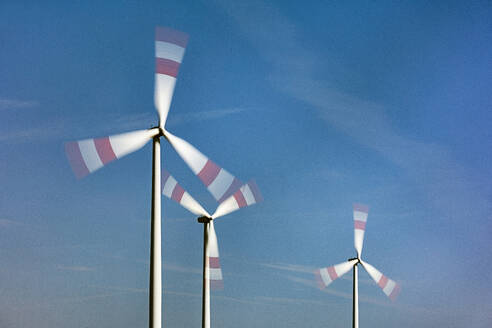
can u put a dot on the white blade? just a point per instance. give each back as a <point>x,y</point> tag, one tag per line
<point>326,276</point>
<point>172,190</point>
<point>389,287</point>
<point>247,195</point>
<point>220,183</point>
<point>86,156</point>
<point>360,219</point>
<point>212,265</point>
<point>169,51</point>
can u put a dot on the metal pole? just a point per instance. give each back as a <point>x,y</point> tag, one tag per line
<point>155,288</point>
<point>206,280</point>
<point>355,299</point>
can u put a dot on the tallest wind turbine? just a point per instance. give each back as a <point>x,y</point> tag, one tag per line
<point>87,156</point>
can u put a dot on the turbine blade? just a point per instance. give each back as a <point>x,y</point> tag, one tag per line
<point>86,156</point>
<point>170,47</point>
<point>247,195</point>
<point>389,287</point>
<point>360,219</point>
<point>172,190</point>
<point>220,183</point>
<point>212,264</point>
<point>326,276</point>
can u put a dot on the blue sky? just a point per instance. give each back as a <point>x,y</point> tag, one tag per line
<point>324,104</point>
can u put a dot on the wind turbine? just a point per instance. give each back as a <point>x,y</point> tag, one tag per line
<point>246,195</point>
<point>87,156</point>
<point>326,276</point>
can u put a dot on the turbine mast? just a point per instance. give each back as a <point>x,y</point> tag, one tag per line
<point>155,288</point>
<point>355,294</point>
<point>355,299</point>
<point>206,279</point>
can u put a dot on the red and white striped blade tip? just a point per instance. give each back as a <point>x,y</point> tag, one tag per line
<point>172,190</point>
<point>389,287</point>
<point>213,264</point>
<point>219,182</point>
<point>89,155</point>
<point>170,47</point>
<point>326,276</point>
<point>360,219</point>
<point>246,195</point>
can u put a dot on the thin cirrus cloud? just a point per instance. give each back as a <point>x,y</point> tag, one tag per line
<point>482,312</point>
<point>304,269</point>
<point>289,267</point>
<point>76,268</point>
<point>48,131</point>
<point>138,120</point>
<point>53,129</point>
<point>6,223</point>
<point>447,185</point>
<point>9,103</point>
<point>182,269</point>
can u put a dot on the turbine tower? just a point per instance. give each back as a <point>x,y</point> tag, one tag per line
<point>87,156</point>
<point>246,195</point>
<point>326,276</point>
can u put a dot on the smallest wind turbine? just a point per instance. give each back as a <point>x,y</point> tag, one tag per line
<point>326,276</point>
<point>246,195</point>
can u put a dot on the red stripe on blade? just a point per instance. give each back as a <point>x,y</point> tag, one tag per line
<point>394,292</point>
<point>256,192</point>
<point>213,262</point>
<point>167,34</point>
<point>209,173</point>
<point>76,160</point>
<point>235,185</point>
<point>166,67</point>
<point>332,273</point>
<point>361,208</point>
<point>319,280</point>
<point>177,193</point>
<point>361,225</point>
<point>241,202</point>
<point>383,281</point>
<point>216,284</point>
<point>164,177</point>
<point>104,150</point>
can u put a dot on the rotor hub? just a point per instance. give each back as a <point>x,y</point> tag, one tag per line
<point>204,219</point>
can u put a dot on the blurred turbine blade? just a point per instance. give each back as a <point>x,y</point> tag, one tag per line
<point>212,265</point>
<point>89,155</point>
<point>326,276</point>
<point>170,47</point>
<point>220,183</point>
<point>247,195</point>
<point>360,219</point>
<point>172,190</point>
<point>389,287</point>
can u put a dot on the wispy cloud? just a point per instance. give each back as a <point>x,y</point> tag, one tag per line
<point>9,103</point>
<point>289,267</point>
<point>146,120</point>
<point>178,119</point>
<point>76,268</point>
<point>29,134</point>
<point>179,268</point>
<point>71,128</point>
<point>311,283</point>
<point>382,301</point>
<point>295,72</point>
<point>123,289</point>
<point>304,269</point>
<point>6,223</point>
